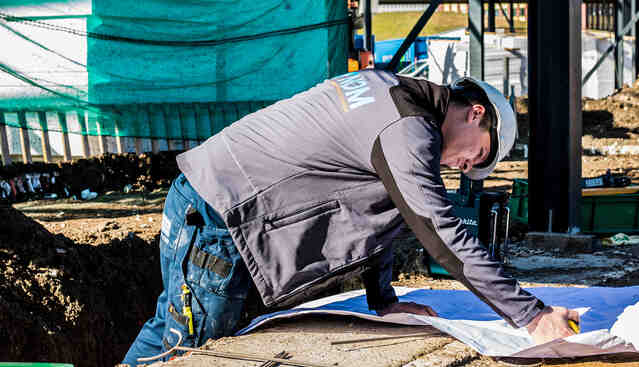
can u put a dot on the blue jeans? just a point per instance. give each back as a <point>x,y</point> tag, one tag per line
<point>196,250</point>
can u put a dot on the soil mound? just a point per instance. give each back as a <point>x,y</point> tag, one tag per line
<point>67,302</point>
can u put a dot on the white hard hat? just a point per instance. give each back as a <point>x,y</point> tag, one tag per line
<point>503,130</point>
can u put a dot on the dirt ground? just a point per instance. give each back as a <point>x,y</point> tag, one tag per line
<point>77,279</point>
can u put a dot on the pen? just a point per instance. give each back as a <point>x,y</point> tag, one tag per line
<point>574,325</point>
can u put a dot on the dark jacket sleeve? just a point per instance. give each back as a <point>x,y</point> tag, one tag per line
<point>377,280</point>
<point>406,156</point>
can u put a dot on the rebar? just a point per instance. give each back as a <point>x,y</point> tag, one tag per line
<point>417,335</point>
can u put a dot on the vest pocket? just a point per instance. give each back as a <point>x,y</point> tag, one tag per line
<point>301,215</point>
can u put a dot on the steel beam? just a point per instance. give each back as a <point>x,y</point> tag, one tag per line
<point>476,30</point>
<point>368,26</point>
<point>626,29</point>
<point>619,24</point>
<point>512,16</point>
<point>491,15</point>
<point>634,7</point>
<point>412,35</point>
<point>554,163</point>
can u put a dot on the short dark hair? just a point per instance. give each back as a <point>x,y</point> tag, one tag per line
<point>468,94</point>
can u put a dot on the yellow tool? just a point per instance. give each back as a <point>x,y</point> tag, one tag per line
<point>186,311</point>
<point>574,326</point>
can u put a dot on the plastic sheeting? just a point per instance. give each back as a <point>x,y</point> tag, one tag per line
<point>160,68</point>
<point>466,318</point>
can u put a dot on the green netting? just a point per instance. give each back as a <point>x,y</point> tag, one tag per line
<point>161,68</point>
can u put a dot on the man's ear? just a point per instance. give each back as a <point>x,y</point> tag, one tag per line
<point>477,112</point>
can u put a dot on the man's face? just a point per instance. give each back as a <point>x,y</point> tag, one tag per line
<point>465,143</point>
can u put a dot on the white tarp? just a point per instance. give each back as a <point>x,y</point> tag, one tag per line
<point>466,318</point>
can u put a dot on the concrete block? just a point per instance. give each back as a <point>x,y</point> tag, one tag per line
<point>563,242</point>
<point>453,354</point>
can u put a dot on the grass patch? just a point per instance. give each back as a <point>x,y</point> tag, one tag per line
<point>397,25</point>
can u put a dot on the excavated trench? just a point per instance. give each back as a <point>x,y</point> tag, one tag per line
<point>67,302</point>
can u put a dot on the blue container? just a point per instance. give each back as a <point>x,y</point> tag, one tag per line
<point>421,48</point>
<point>384,51</point>
<point>359,42</point>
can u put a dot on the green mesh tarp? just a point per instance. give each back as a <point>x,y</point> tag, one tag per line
<point>162,68</point>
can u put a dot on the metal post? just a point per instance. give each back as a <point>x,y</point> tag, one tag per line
<point>554,163</point>
<point>634,7</point>
<point>476,30</point>
<point>506,75</point>
<point>512,16</point>
<point>491,16</point>
<point>412,35</point>
<point>4,141</point>
<point>611,15</point>
<point>24,137</point>
<point>597,16</point>
<point>619,23</point>
<point>46,146</point>
<point>368,27</point>
<point>66,145</point>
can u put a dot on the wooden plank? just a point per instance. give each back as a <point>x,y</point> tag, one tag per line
<point>119,144</point>
<point>155,142</point>
<point>86,153</point>
<point>609,191</point>
<point>119,140</point>
<point>186,143</point>
<point>138,146</point>
<point>172,144</point>
<point>102,143</point>
<point>166,113</point>
<point>155,146</point>
<point>46,146</point>
<point>25,144</point>
<point>4,141</point>
<point>66,145</point>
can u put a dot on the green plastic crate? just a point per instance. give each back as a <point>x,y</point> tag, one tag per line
<point>518,203</point>
<point>610,214</point>
<point>605,214</point>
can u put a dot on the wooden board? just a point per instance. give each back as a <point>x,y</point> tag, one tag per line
<point>610,191</point>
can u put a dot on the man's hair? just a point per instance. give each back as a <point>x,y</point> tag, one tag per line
<point>469,94</point>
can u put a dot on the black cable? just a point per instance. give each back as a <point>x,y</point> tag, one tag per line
<point>330,23</point>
